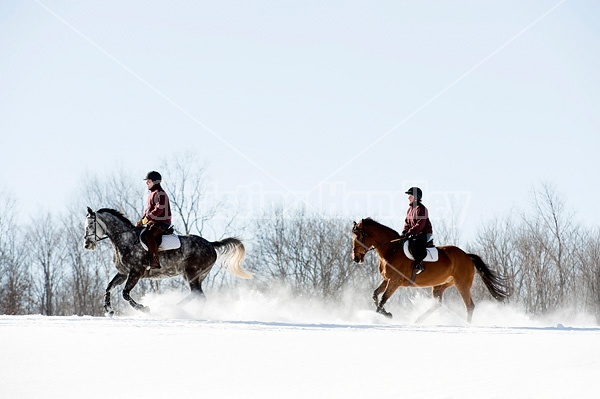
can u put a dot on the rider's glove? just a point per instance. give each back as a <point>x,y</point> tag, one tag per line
<point>142,222</point>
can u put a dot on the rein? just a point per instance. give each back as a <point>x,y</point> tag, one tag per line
<point>104,230</point>
<point>411,280</point>
<point>384,243</point>
<point>363,233</point>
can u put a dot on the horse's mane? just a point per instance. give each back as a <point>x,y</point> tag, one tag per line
<point>374,223</point>
<point>116,214</point>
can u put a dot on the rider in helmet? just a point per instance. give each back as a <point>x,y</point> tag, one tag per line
<point>157,216</point>
<point>417,228</point>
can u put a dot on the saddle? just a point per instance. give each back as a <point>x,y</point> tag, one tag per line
<point>165,242</point>
<point>432,253</point>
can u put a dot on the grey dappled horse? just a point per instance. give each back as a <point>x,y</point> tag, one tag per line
<point>193,259</point>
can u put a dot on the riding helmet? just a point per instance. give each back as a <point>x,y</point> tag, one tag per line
<point>416,192</point>
<point>154,176</point>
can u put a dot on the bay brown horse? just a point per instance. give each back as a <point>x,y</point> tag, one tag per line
<point>453,268</point>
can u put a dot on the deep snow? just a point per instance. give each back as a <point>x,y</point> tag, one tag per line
<point>252,346</point>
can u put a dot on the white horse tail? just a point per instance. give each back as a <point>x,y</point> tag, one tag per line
<point>232,250</point>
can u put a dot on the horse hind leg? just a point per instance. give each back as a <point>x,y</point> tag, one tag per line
<point>196,289</point>
<point>118,279</point>
<point>437,292</point>
<point>465,293</point>
<point>195,292</point>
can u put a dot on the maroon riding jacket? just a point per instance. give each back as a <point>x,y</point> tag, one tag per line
<point>158,208</point>
<point>417,220</point>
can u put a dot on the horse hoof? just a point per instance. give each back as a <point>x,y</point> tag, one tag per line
<point>109,313</point>
<point>383,312</point>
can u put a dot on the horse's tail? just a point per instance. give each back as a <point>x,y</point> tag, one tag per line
<point>233,252</point>
<point>498,286</point>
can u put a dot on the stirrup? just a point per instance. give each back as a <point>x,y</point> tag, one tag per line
<point>419,268</point>
<point>153,267</point>
<point>153,263</point>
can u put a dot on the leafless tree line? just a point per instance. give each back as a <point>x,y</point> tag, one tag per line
<point>307,253</point>
<point>553,263</point>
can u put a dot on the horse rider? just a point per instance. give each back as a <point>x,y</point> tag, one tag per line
<point>157,216</point>
<point>417,228</point>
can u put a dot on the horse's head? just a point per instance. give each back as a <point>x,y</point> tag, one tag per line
<point>361,242</point>
<point>94,230</point>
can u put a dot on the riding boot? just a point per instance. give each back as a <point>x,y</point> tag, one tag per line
<point>419,267</point>
<point>419,251</point>
<point>153,262</point>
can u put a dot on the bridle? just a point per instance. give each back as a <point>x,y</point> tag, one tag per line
<point>356,230</point>
<point>360,238</point>
<point>105,235</point>
<point>97,223</point>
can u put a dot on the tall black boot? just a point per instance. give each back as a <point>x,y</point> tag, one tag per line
<point>153,262</point>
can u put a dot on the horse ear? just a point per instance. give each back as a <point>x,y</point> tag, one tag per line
<point>90,212</point>
<point>354,224</point>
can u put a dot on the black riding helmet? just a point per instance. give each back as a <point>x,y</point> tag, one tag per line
<point>416,192</point>
<point>154,176</point>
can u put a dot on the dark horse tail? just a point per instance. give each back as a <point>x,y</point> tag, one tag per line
<point>232,250</point>
<point>497,285</point>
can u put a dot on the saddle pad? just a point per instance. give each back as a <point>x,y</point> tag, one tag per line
<point>432,253</point>
<point>169,241</point>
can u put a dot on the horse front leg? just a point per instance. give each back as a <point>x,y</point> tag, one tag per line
<point>118,279</point>
<point>379,290</point>
<point>391,287</point>
<point>438,292</point>
<point>133,278</point>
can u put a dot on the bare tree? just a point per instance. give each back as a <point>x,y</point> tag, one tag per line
<point>589,257</point>
<point>556,241</point>
<point>542,252</point>
<point>187,189</point>
<point>14,274</point>
<point>496,243</point>
<point>310,254</point>
<point>48,257</point>
<point>89,272</point>
<point>119,191</point>
<point>447,229</point>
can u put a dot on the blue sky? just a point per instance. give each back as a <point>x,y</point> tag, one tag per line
<point>345,103</point>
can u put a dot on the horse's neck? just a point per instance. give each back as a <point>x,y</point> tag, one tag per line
<point>383,235</point>
<point>115,227</point>
<point>112,223</point>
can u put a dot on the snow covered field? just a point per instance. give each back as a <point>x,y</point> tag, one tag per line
<point>252,346</point>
